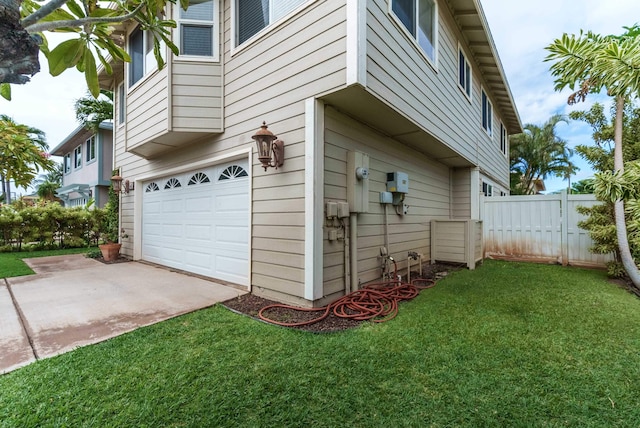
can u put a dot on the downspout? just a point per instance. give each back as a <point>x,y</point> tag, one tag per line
<point>353,250</point>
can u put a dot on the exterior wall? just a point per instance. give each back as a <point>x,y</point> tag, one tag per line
<point>147,108</point>
<point>461,193</point>
<point>196,96</point>
<point>428,93</point>
<point>428,198</point>
<point>275,94</point>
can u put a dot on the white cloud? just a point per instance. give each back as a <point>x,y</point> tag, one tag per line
<point>521,30</point>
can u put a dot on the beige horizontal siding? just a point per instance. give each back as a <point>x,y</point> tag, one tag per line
<point>428,197</point>
<point>147,109</point>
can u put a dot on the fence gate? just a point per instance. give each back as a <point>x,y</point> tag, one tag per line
<point>539,228</point>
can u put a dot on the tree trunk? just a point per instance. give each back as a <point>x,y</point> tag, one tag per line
<point>7,191</point>
<point>18,49</point>
<point>621,226</point>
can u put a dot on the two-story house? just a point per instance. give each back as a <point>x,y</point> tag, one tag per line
<point>87,159</point>
<point>392,113</point>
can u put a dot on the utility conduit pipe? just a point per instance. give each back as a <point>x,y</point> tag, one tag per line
<point>353,253</point>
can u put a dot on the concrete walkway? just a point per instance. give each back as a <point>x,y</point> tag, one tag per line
<point>74,301</point>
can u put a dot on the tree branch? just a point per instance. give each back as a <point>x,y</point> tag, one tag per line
<point>52,25</point>
<point>42,12</point>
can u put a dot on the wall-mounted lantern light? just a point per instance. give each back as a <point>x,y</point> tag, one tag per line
<point>270,149</point>
<point>121,186</point>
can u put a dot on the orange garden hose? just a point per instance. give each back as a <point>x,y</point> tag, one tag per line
<point>376,302</point>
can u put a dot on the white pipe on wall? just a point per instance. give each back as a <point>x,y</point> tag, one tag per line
<point>353,245</point>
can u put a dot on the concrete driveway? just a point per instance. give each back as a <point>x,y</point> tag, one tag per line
<point>74,301</point>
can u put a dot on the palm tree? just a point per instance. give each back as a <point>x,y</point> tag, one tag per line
<point>46,185</point>
<point>537,154</point>
<point>594,63</point>
<point>91,112</point>
<point>583,187</point>
<point>23,152</point>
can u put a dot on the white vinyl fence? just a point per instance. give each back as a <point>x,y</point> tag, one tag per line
<point>539,228</point>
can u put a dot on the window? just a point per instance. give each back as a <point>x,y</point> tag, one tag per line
<point>141,52</point>
<point>90,149</point>
<point>503,140</point>
<point>67,163</point>
<point>77,157</point>
<point>419,18</point>
<point>122,100</point>
<point>197,28</point>
<point>464,73</point>
<point>254,15</point>
<point>487,189</point>
<point>231,172</point>
<point>487,114</point>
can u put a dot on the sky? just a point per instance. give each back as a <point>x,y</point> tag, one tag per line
<point>520,30</point>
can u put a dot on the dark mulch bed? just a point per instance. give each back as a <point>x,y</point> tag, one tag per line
<point>120,259</point>
<point>250,305</point>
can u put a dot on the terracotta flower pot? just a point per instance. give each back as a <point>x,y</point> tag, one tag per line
<point>110,251</point>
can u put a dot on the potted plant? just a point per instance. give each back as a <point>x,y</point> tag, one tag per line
<point>111,228</point>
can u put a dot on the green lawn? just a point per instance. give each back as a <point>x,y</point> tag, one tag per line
<point>11,264</point>
<point>509,344</point>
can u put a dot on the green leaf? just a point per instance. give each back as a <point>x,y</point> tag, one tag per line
<point>65,55</point>
<point>91,73</point>
<point>5,91</point>
<point>75,8</point>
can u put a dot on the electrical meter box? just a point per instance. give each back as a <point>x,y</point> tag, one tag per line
<point>397,182</point>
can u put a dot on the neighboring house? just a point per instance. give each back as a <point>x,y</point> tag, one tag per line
<point>87,160</point>
<point>409,95</point>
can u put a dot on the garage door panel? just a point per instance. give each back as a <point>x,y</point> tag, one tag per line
<point>201,226</point>
<point>198,232</point>
<point>231,267</point>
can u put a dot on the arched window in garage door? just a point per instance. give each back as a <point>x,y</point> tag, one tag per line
<point>231,172</point>
<point>198,178</point>
<point>172,183</point>
<point>151,187</point>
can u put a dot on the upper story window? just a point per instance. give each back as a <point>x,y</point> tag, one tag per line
<point>90,149</point>
<point>464,73</point>
<point>67,163</point>
<point>197,29</point>
<point>122,102</point>
<point>504,146</point>
<point>419,17</point>
<point>487,189</point>
<point>487,114</point>
<point>77,157</point>
<point>143,61</point>
<point>254,15</point>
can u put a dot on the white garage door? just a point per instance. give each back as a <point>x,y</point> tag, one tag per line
<point>199,221</point>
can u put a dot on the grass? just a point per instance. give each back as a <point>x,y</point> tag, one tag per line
<point>509,344</point>
<point>11,264</point>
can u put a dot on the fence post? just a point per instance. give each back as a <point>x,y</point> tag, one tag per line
<point>564,227</point>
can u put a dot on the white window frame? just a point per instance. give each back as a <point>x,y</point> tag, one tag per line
<point>236,46</point>
<point>486,119</point>
<point>413,37</point>
<point>215,29</point>
<point>122,104</point>
<point>504,140</point>
<point>90,147</point>
<point>465,74</point>
<point>77,157</point>
<point>150,65</point>
<point>487,189</point>
<point>66,162</point>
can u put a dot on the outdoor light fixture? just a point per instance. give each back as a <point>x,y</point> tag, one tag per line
<point>270,149</point>
<point>119,186</point>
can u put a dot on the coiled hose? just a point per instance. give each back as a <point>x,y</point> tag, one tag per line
<point>376,302</point>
